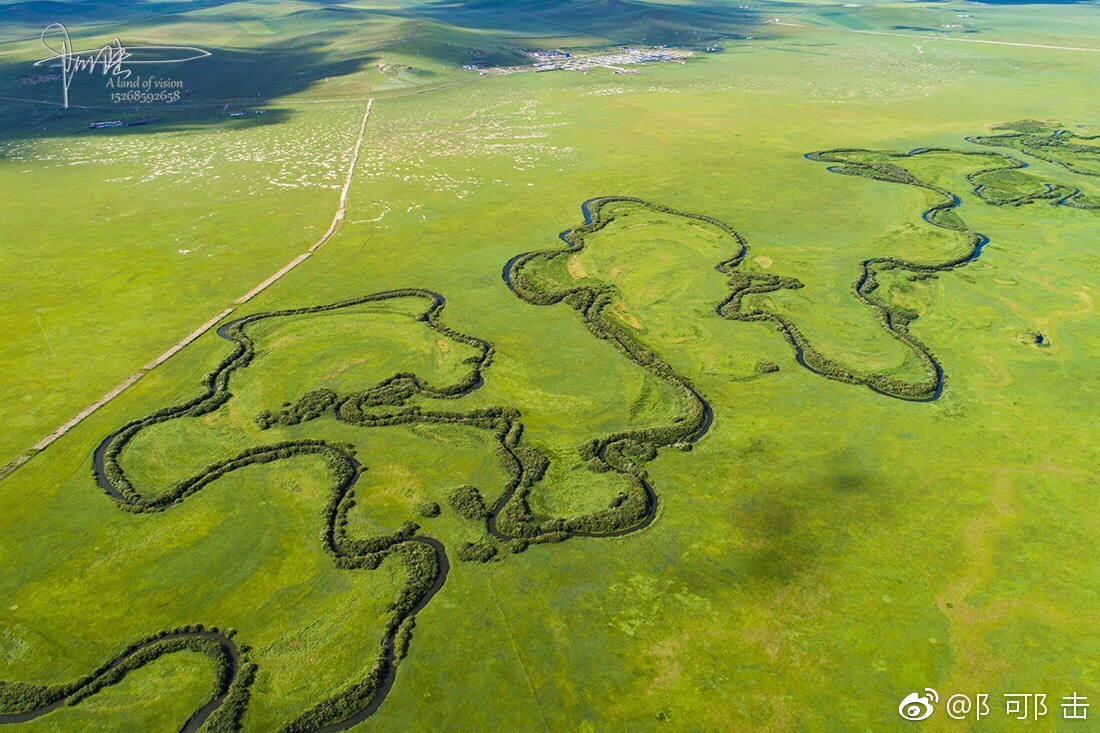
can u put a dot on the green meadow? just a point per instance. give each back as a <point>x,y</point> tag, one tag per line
<point>812,555</point>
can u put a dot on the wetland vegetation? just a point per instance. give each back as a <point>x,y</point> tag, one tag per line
<point>764,440</point>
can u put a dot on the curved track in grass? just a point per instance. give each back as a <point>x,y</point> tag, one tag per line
<point>591,301</point>
<point>425,556</point>
<point>508,523</point>
<point>216,644</point>
<point>1076,158</point>
<point>893,319</point>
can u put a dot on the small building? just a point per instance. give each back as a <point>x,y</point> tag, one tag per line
<point>549,55</point>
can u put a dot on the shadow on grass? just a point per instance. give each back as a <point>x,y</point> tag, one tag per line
<point>615,21</point>
<point>787,529</point>
<point>109,11</point>
<point>229,82</point>
<point>247,80</point>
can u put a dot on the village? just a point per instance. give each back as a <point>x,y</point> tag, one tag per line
<point>557,60</point>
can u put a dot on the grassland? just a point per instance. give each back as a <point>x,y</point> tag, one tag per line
<point>821,551</point>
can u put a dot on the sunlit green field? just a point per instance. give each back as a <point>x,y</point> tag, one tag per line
<point>821,552</point>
